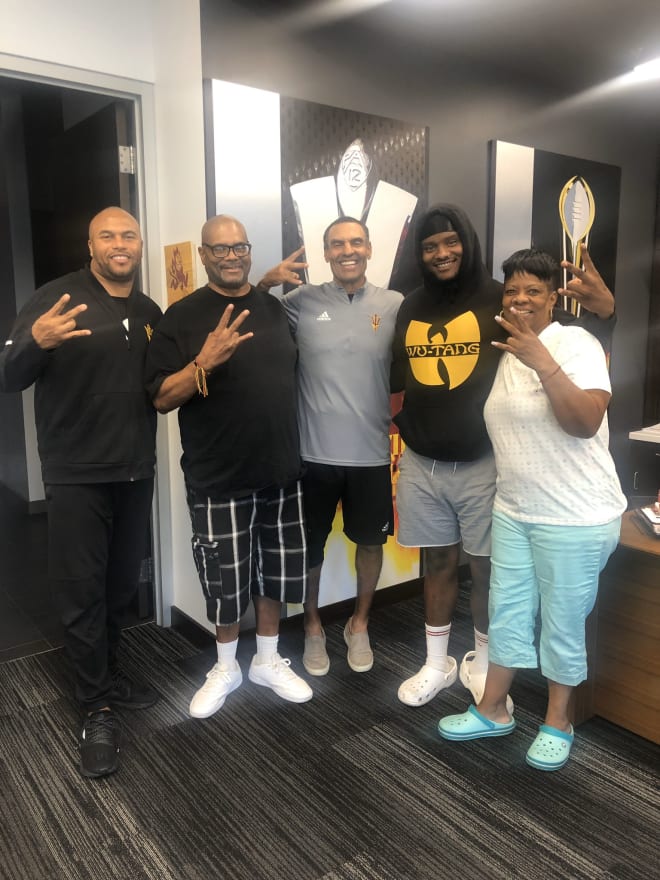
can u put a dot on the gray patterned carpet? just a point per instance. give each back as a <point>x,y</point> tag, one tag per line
<point>350,786</point>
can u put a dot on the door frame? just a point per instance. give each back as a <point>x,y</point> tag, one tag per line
<point>142,96</point>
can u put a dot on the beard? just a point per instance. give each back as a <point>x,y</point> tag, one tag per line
<point>126,274</point>
<point>119,274</point>
<point>218,277</point>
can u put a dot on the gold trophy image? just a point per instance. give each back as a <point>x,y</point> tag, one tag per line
<point>577,210</point>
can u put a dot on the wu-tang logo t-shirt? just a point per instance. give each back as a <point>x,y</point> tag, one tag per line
<point>444,354</point>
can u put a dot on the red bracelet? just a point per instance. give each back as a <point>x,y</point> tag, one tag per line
<point>553,373</point>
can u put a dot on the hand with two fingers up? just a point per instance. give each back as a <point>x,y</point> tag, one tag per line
<point>58,325</point>
<point>588,288</point>
<point>223,341</point>
<point>523,342</point>
<point>286,272</point>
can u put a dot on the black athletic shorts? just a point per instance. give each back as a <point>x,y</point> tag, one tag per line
<point>365,494</point>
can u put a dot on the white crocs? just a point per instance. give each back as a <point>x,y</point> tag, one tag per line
<point>421,688</point>
<point>475,682</point>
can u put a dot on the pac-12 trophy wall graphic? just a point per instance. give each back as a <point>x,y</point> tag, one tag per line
<point>355,191</point>
<point>577,211</point>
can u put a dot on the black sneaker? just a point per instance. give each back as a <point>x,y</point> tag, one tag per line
<point>129,694</point>
<point>99,744</point>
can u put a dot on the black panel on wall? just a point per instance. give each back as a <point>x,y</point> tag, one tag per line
<point>13,472</point>
<point>313,140</point>
<point>652,385</point>
<point>551,172</point>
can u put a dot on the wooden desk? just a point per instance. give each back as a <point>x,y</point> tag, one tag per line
<point>623,638</point>
<point>635,537</point>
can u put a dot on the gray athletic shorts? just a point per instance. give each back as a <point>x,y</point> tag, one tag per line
<point>441,503</point>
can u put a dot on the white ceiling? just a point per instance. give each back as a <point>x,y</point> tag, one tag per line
<point>564,46</point>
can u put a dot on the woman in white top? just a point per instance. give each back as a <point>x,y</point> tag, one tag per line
<point>557,510</point>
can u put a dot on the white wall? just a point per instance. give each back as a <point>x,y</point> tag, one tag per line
<point>114,38</point>
<point>182,201</point>
<point>148,48</point>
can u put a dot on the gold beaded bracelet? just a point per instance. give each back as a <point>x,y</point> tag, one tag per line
<point>200,379</point>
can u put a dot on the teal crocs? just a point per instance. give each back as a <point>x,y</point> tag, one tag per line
<point>550,749</point>
<point>472,725</point>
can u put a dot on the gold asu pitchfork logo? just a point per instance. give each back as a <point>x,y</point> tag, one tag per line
<point>444,354</point>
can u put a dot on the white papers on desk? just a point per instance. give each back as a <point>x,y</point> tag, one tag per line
<point>651,519</point>
<point>648,435</point>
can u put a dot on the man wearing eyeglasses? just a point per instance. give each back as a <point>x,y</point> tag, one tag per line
<point>224,356</point>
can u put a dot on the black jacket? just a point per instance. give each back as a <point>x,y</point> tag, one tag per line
<point>95,421</point>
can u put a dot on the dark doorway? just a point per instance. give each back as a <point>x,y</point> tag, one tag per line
<point>60,163</point>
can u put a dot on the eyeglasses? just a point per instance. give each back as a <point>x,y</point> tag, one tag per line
<point>242,249</point>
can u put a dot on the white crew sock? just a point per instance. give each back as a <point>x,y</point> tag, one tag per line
<point>480,662</point>
<point>266,648</point>
<point>437,640</point>
<point>227,653</point>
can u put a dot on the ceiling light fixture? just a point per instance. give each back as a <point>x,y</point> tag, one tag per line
<point>324,12</point>
<point>648,70</point>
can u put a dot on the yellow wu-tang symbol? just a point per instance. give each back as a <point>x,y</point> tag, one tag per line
<point>444,354</point>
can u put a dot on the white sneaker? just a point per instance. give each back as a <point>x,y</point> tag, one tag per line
<point>278,675</point>
<point>220,681</point>
<point>421,688</point>
<point>475,682</point>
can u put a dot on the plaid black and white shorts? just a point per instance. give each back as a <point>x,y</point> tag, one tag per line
<point>249,546</point>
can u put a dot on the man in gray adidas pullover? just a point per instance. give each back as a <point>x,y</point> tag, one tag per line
<point>344,331</point>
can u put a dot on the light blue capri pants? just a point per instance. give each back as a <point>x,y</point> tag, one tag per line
<point>556,567</point>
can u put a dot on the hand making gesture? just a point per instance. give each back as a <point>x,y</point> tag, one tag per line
<point>285,272</point>
<point>57,325</point>
<point>222,342</point>
<point>588,287</point>
<point>523,342</point>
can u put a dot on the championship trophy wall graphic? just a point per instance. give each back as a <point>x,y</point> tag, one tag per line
<point>530,187</point>
<point>577,211</point>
